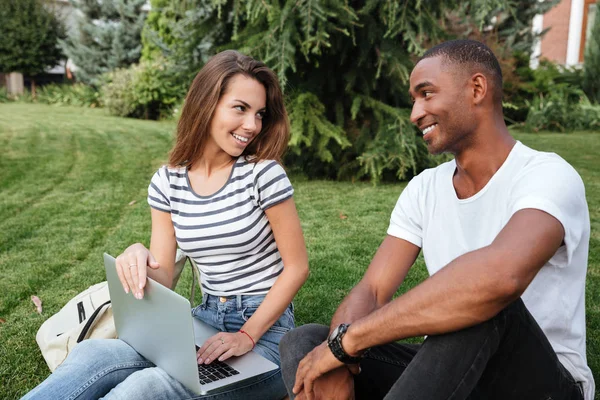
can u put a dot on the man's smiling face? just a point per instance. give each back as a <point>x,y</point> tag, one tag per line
<point>442,105</point>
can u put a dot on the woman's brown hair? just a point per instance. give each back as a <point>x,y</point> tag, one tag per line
<point>210,84</point>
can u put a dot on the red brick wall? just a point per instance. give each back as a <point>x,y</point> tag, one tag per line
<point>554,42</point>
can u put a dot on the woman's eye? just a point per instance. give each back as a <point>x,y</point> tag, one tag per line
<point>240,108</point>
<point>261,115</point>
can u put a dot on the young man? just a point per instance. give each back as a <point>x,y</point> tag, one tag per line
<point>505,233</point>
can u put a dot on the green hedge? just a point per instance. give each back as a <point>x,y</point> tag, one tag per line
<point>149,90</point>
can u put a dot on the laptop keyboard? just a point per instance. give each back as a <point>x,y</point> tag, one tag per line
<point>214,371</point>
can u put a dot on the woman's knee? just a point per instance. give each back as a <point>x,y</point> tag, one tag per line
<point>102,353</point>
<point>149,383</point>
<point>103,348</point>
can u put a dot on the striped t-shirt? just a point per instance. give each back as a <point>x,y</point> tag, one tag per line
<point>227,233</point>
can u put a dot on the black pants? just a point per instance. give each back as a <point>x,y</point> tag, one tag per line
<point>506,357</point>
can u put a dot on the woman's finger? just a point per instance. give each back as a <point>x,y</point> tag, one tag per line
<point>121,274</point>
<point>207,348</point>
<point>143,259</point>
<point>228,354</point>
<point>217,351</point>
<point>141,262</point>
<point>127,271</point>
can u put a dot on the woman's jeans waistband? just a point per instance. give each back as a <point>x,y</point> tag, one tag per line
<point>239,302</point>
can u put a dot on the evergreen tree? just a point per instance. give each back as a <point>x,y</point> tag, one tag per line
<point>344,66</point>
<point>156,35</point>
<point>108,36</point>
<point>591,61</point>
<point>29,37</point>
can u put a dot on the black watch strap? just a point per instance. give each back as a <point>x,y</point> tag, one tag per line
<point>335,345</point>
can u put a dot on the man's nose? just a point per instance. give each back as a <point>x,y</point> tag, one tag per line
<point>417,112</point>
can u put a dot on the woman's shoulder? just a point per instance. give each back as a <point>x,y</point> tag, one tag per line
<point>167,173</point>
<point>262,165</point>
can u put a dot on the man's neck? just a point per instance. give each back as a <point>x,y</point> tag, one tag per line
<point>477,163</point>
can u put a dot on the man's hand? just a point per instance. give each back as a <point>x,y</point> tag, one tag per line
<point>337,384</point>
<point>315,364</point>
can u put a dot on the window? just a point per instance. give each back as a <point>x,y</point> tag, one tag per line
<point>589,15</point>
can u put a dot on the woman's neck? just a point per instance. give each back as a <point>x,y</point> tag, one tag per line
<point>211,162</point>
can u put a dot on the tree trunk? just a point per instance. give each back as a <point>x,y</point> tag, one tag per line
<point>33,88</point>
<point>14,84</point>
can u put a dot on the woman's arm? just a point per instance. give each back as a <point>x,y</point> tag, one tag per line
<point>285,224</point>
<point>132,265</point>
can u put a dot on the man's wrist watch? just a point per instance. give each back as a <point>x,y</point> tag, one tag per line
<point>334,341</point>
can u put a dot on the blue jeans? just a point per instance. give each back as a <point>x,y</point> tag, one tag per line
<point>111,369</point>
<point>506,357</point>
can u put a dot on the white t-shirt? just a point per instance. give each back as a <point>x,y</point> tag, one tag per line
<point>430,215</point>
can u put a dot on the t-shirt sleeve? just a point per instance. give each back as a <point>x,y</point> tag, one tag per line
<point>557,189</point>
<point>271,184</point>
<point>406,220</point>
<point>158,191</point>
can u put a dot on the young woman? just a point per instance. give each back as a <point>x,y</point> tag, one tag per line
<point>226,202</point>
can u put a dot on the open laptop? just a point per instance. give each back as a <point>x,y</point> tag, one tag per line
<point>162,329</point>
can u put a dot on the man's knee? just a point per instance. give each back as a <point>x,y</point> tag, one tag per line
<point>301,340</point>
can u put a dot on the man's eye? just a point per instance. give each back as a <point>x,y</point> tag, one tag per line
<point>427,93</point>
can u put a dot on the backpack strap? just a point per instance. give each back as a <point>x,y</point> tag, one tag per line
<point>91,321</point>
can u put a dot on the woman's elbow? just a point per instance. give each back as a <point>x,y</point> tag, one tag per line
<point>303,273</point>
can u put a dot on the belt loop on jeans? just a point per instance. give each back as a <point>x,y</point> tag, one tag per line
<point>204,298</point>
<point>238,299</point>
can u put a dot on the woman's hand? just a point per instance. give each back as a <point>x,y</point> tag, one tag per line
<point>132,268</point>
<point>223,345</point>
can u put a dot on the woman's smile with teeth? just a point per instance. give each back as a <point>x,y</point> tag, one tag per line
<point>241,138</point>
<point>429,129</point>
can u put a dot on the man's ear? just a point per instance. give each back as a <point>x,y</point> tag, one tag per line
<point>479,86</point>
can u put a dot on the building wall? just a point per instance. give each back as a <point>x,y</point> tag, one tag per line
<point>554,42</point>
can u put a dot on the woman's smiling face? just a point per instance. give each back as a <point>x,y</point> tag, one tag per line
<point>237,119</point>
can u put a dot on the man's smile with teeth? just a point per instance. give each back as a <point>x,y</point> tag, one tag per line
<point>429,129</point>
<point>240,138</point>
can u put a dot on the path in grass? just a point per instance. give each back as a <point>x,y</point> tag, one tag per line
<point>68,175</point>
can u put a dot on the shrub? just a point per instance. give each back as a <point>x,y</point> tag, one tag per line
<point>4,95</point>
<point>524,85</point>
<point>148,90</point>
<point>78,94</point>
<point>117,91</point>
<point>563,109</point>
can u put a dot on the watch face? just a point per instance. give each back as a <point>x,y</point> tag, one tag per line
<point>333,333</point>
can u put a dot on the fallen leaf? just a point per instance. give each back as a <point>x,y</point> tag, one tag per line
<point>2,320</point>
<point>342,216</point>
<point>38,303</point>
<point>132,202</point>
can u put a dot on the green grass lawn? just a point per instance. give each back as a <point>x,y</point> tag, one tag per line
<point>68,177</point>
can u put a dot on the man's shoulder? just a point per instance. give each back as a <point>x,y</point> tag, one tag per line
<point>544,164</point>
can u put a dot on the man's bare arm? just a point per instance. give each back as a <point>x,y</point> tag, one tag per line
<point>471,289</point>
<point>383,277</point>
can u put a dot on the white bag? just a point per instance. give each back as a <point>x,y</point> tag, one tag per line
<point>87,316</point>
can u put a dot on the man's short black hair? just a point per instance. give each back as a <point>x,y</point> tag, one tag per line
<point>474,55</point>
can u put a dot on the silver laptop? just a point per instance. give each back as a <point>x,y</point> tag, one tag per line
<point>162,329</point>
